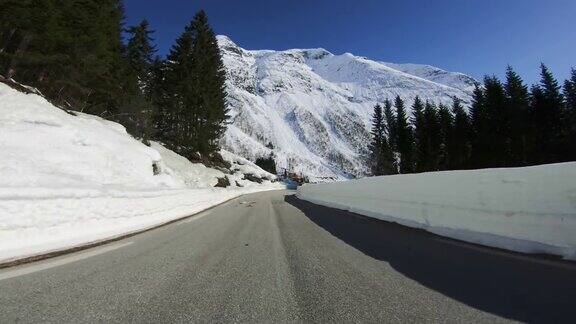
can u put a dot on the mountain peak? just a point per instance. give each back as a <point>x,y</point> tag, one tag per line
<point>224,40</point>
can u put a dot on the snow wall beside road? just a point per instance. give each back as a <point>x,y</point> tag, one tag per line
<point>530,209</point>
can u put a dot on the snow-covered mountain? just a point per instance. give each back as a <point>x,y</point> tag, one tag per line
<point>314,107</point>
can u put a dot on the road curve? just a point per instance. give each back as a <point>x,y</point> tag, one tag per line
<point>271,257</point>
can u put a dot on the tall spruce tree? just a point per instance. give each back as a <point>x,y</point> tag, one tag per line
<point>570,95</point>
<point>518,104</point>
<point>140,53</point>
<point>178,96</point>
<point>570,92</point>
<point>480,126</point>
<point>426,136</point>
<point>390,124</point>
<point>139,109</point>
<point>498,118</point>
<point>387,157</point>
<point>95,80</point>
<point>375,146</point>
<point>490,123</point>
<point>458,143</point>
<point>157,96</point>
<point>211,113</point>
<point>548,122</point>
<point>441,139</point>
<point>417,121</point>
<point>404,138</point>
<point>196,99</point>
<point>381,157</point>
<point>536,155</point>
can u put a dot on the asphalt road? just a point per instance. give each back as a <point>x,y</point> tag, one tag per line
<point>270,257</point>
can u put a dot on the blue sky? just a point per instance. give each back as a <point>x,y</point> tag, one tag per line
<point>476,37</point>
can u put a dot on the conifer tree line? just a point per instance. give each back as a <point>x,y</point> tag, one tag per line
<point>81,56</point>
<point>508,125</point>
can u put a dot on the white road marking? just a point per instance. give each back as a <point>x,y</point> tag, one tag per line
<point>194,218</point>
<point>43,265</point>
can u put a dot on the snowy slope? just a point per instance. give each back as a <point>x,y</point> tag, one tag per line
<point>72,179</point>
<point>315,107</point>
<point>452,79</point>
<point>531,209</point>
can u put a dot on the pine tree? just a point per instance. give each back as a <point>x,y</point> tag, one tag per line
<point>381,157</point>
<point>404,138</point>
<point>548,122</point>
<point>570,95</point>
<point>490,123</point>
<point>139,108</point>
<point>458,143</point>
<point>209,86</point>
<point>378,137</point>
<point>196,98</point>
<point>441,138</point>
<point>157,96</point>
<point>178,96</point>
<point>537,113</point>
<point>480,125</point>
<point>497,132</point>
<point>517,103</point>
<point>390,124</point>
<point>387,157</point>
<point>420,150</point>
<point>95,79</point>
<point>140,53</point>
<point>426,136</point>
<point>570,91</point>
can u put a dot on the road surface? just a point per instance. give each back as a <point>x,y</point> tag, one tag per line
<point>271,257</point>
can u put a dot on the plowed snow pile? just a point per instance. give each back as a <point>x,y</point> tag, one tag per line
<point>530,209</point>
<point>71,179</point>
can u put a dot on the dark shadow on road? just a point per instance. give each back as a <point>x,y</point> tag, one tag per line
<point>503,284</point>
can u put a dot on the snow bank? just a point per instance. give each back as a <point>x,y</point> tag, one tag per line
<point>29,227</point>
<point>67,180</point>
<point>44,147</point>
<point>531,210</point>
